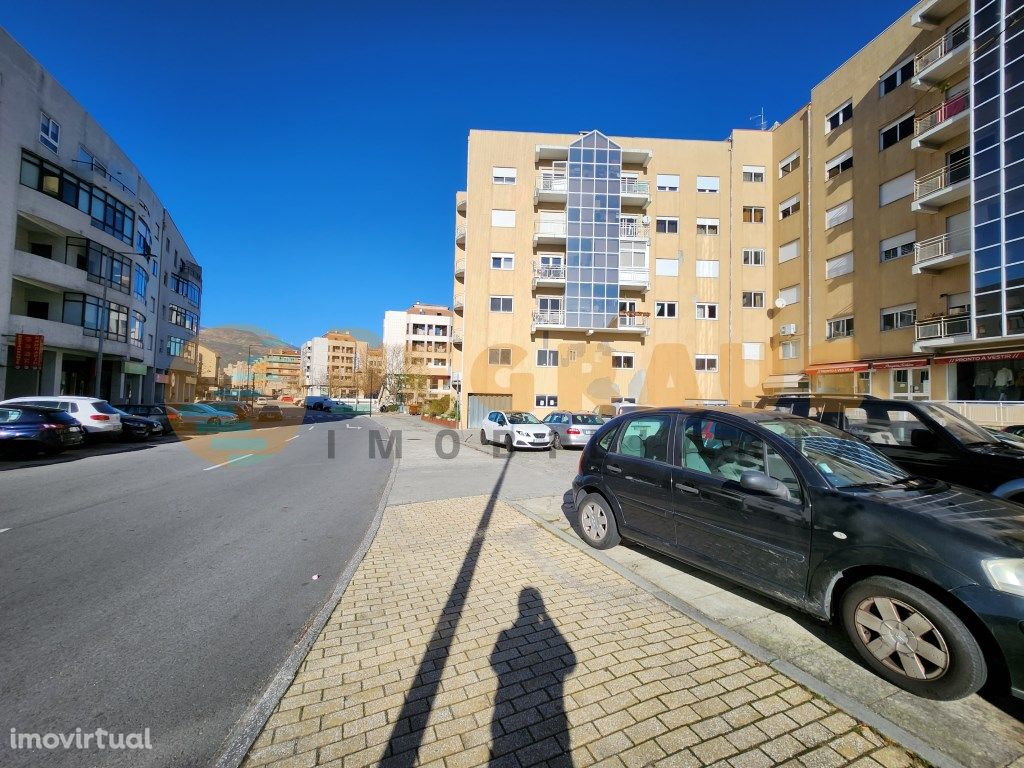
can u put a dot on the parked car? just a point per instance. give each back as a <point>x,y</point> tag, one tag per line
<point>516,429</point>
<point>261,400</point>
<point>608,411</point>
<point>27,429</point>
<point>270,413</point>
<point>1015,429</point>
<point>316,402</point>
<point>243,411</point>
<point>926,578</point>
<point>202,418</point>
<point>1010,438</point>
<point>169,418</point>
<point>97,417</point>
<point>924,438</point>
<point>572,429</point>
<point>138,427</point>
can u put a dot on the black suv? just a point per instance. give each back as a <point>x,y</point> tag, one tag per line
<point>926,578</point>
<point>928,439</point>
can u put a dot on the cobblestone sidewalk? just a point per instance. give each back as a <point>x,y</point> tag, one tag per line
<point>471,636</point>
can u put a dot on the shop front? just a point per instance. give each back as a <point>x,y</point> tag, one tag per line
<point>903,379</point>
<point>996,376</point>
<point>841,378</point>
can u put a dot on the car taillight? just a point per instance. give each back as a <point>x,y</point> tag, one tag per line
<point>53,426</point>
<point>174,416</point>
<point>99,417</point>
<point>572,431</point>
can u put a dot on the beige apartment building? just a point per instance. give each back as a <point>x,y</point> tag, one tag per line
<point>330,365</point>
<point>417,350</point>
<point>838,251</point>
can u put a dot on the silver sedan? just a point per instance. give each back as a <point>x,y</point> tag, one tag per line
<point>573,429</point>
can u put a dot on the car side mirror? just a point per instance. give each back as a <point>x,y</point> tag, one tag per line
<point>759,482</point>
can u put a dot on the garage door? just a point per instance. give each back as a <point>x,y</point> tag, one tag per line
<point>481,405</point>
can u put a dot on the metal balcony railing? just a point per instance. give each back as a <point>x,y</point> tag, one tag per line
<point>460,234</point>
<point>634,320</point>
<point>634,275</point>
<point>952,40</point>
<point>460,267</point>
<point>634,187</point>
<point>942,178</point>
<point>458,302</point>
<point>951,107</point>
<point>943,245</point>
<point>552,181</point>
<point>548,271</point>
<point>550,229</point>
<point>549,317</point>
<point>943,327</point>
<point>457,337</point>
<point>633,229</point>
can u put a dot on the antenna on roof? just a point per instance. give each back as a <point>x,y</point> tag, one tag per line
<point>762,124</point>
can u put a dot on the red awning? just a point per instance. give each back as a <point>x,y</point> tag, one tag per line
<point>978,357</point>
<point>838,368</point>
<point>906,362</point>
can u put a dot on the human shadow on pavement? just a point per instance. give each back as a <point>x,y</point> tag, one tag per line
<point>531,659</point>
<point>407,734</point>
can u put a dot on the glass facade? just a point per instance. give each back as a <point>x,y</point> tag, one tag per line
<point>592,246</point>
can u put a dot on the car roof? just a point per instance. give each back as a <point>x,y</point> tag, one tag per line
<point>75,398</point>
<point>26,407</point>
<point>753,415</point>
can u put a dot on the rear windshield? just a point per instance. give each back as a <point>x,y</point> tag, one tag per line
<point>587,419</point>
<point>104,407</point>
<point>8,415</point>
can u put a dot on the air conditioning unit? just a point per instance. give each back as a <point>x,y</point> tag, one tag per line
<point>789,329</point>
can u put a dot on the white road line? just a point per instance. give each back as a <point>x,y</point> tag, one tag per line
<point>4,530</point>
<point>296,437</point>
<point>229,461</point>
<point>312,426</point>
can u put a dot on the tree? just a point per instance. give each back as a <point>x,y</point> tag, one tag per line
<point>403,380</point>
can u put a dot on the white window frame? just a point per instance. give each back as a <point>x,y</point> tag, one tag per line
<point>789,251</point>
<point>503,175</point>
<point>497,218</point>
<point>669,222</point>
<point>708,226</point>
<point>839,214</point>
<point>844,323</point>
<point>786,164</point>
<point>903,244</point>
<point>753,214</point>
<point>843,263</point>
<point>549,358</point>
<point>501,304</point>
<point>706,310</point>
<point>837,164</point>
<point>667,182</point>
<point>549,303</point>
<point>708,268</point>
<point>791,347</point>
<point>839,112</point>
<point>666,310</point>
<point>789,207</point>
<point>907,313</point>
<point>901,76</point>
<point>709,184</point>
<point>754,295</point>
<point>753,171</point>
<point>503,259</point>
<point>622,358</point>
<point>48,138</point>
<point>752,350</point>
<point>753,257</point>
<point>701,363</point>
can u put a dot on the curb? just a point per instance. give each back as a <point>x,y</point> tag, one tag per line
<point>250,725</point>
<point>852,707</point>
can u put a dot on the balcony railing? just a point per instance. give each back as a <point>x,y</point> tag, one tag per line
<point>548,317</point>
<point>633,229</point>
<point>946,176</point>
<point>555,181</point>
<point>634,320</point>
<point>460,267</point>
<point>951,41</point>
<point>634,187</point>
<point>636,277</point>
<point>943,327</point>
<point>550,229</point>
<point>457,338</point>
<point>943,245</point>
<point>460,235</point>
<point>949,108</point>
<point>458,304</point>
<point>549,272</point>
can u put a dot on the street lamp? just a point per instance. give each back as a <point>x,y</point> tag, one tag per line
<point>248,371</point>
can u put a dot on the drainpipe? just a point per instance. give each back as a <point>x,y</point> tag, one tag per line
<point>807,251</point>
<point>732,286</point>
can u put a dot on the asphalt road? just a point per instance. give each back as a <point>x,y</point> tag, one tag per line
<point>162,588</point>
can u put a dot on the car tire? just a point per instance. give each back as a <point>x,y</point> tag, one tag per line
<point>509,444</point>
<point>954,665</point>
<point>596,523</point>
<point>557,442</point>
<point>483,438</point>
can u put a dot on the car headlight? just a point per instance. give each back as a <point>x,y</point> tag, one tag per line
<point>1006,575</point>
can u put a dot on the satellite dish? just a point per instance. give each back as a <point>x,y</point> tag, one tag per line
<point>780,303</point>
<point>646,220</point>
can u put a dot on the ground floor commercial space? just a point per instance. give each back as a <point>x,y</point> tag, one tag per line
<point>73,372</point>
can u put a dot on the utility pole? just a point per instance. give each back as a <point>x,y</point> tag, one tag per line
<point>104,312</point>
<point>248,371</point>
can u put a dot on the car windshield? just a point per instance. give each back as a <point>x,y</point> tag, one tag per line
<point>587,419</point>
<point>962,428</point>
<point>841,458</point>
<point>520,417</point>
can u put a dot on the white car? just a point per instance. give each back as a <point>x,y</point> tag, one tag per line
<point>97,417</point>
<point>516,429</point>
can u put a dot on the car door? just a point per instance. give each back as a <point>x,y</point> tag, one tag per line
<point>638,473</point>
<point>764,540</point>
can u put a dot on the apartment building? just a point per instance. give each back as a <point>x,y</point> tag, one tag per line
<point>208,371</point>
<point>87,254</point>
<point>280,372</point>
<point>331,364</point>
<point>417,344</point>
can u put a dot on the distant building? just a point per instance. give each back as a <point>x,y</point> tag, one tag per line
<point>331,365</point>
<point>209,371</point>
<point>418,347</point>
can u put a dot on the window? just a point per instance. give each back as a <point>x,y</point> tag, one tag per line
<point>790,294</point>
<point>49,132</point>
<point>839,163</point>
<point>667,225</point>
<point>839,117</point>
<point>753,350</point>
<point>182,317</point>
<point>546,401</point>
<point>666,308</point>
<point>839,265</point>
<point>753,173</point>
<point>668,182</point>
<point>897,245</point>
<point>185,288</point>
<point>896,132</point>
<point>896,77</point>
<point>707,268</point>
<point>707,311</point>
<point>504,261</point>
<point>136,329</point>
<point>499,356</point>
<point>788,207</point>
<point>707,184</point>
<point>707,226</point>
<point>501,303</point>
<point>789,251</point>
<point>666,267</point>
<point>622,360</point>
<point>547,357</point>
<point>500,218</point>
<point>646,437</point>
<point>903,316</point>
<point>753,299</point>
<point>788,350</point>
<point>896,189</point>
<point>753,214</point>
<point>549,304</point>
<point>501,175</point>
<point>143,238</point>
<point>141,281</point>
<point>753,257</point>
<point>789,164</point>
<point>839,328</point>
<point>706,363</point>
<point>839,214</point>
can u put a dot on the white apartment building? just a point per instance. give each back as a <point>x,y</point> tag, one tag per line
<point>419,341</point>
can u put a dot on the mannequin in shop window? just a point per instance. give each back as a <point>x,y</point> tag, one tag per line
<point>1004,384</point>
<point>983,381</point>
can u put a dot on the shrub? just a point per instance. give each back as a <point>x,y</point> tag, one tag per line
<point>439,406</point>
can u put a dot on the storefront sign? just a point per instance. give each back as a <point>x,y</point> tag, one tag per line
<point>161,378</point>
<point>979,357</point>
<point>28,350</point>
<point>134,368</point>
<point>910,362</point>
<point>826,370</point>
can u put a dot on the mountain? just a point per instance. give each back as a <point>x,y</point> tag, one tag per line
<point>232,342</point>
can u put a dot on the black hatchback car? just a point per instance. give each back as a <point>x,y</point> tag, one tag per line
<point>926,578</point>
<point>28,429</point>
<point>923,438</point>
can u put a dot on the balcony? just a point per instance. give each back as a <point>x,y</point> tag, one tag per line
<point>543,152</point>
<point>460,236</point>
<point>460,268</point>
<point>936,254</point>
<point>634,229</point>
<point>460,206</point>
<point>457,338</point>
<point>932,13</point>
<point>936,64</point>
<point>549,232</point>
<point>949,119</point>
<point>946,185</point>
<point>634,278</point>
<point>552,187</point>
<point>633,192</point>
<point>942,331</point>
<point>458,303</point>
<point>634,323</point>
<point>548,275</point>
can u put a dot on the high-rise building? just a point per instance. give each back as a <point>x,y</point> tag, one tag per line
<point>331,365</point>
<point>417,350</point>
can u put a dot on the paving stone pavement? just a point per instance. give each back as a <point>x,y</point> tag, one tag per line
<point>471,636</point>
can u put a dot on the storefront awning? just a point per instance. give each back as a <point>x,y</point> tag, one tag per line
<point>978,357</point>
<point>838,368</point>
<point>905,362</point>
<point>784,380</point>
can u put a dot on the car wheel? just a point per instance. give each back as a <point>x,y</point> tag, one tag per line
<point>912,640</point>
<point>557,442</point>
<point>509,445</point>
<point>596,522</point>
<point>483,437</point>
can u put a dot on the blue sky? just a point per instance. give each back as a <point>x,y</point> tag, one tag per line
<point>273,131</point>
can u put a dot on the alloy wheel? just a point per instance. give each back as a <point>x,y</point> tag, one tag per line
<point>594,521</point>
<point>902,638</point>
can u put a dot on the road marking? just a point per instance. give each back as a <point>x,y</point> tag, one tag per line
<point>312,426</point>
<point>229,461</point>
<point>349,426</point>
<point>4,530</point>
<point>296,437</point>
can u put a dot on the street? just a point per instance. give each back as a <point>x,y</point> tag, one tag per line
<point>157,589</point>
